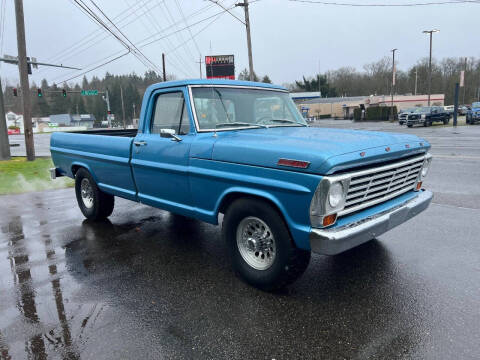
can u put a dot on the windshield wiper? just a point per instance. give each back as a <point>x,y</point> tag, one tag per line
<point>287,121</point>
<point>238,123</point>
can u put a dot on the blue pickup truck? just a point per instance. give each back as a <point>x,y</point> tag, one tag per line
<point>207,148</point>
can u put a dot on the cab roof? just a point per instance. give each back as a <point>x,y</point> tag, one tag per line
<point>187,82</point>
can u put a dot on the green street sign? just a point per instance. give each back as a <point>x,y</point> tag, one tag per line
<point>89,92</point>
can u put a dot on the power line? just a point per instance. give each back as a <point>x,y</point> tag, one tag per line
<point>123,34</point>
<point>74,49</point>
<point>387,5</point>
<point>186,23</point>
<point>144,44</point>
<point>179,37</point>
<point>154,20</point>
<point>86,42</point>
<point>142,58</point>
<point>147,11</point>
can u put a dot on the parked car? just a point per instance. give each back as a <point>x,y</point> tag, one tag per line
<point>463,109</point>
<point>13,131</point>
<point>449,108</point>
<point>473,114</point>
<point>427,115</point>
<point>242,149</point>
<point>402,115</point>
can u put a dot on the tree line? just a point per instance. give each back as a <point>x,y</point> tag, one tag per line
<point>376,79</point>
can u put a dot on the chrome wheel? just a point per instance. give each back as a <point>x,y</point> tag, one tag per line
<point>86,191</point>
<point>256,243</point>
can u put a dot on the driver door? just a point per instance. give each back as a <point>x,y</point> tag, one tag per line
<point>160,155</point>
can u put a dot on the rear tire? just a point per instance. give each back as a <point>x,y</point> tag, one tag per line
<point>94,204</point>
<point>261,248</point>
<point>409,125</point>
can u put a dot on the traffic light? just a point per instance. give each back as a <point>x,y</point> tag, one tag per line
<point>15,92</point>
<point>39,92</point>
<point>64,93</point>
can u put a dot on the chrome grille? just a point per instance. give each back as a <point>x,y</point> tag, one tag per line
<point>373,186</point>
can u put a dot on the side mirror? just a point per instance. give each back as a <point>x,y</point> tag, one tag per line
<point>169,133</point>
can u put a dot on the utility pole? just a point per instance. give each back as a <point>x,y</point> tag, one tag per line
<point>249,39</point>
<point>416,75</point>
<point>4,145</point>
<point>430,63</point>
<point>23,70</point>
<point>109,112</point>
<point>455,107</point>
<point>393,83</point>
<point>133,111</point>
<point>123,108</point>
<point>464,75</point>
<point>200,62</point>
<point>163,64</point>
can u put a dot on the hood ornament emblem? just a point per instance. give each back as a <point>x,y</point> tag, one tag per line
<point>407,146</point>
<point>362,154</point>
<point>387,149</point>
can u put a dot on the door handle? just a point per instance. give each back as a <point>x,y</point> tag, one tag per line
<point>139,143</point>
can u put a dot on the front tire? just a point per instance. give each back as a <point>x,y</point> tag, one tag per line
<point>94,204</point>
<point>262,250</point>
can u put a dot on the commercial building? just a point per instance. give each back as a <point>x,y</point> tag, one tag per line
<point>312,105</point>
<point>85,120</point>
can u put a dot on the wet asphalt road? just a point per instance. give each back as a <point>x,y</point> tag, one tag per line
<point>149,284</point>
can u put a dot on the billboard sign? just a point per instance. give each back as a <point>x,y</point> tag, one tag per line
<point>220,67</point>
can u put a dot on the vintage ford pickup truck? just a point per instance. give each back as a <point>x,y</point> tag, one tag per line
<point>242,149</point>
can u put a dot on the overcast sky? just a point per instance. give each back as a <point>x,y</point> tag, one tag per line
<point>290,39</point>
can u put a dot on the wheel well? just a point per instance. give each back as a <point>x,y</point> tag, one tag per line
<point>231,197</point>
<point>75,168</point>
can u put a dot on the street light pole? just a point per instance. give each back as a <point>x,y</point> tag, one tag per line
<point>430,63</point>
<point>393,82</point>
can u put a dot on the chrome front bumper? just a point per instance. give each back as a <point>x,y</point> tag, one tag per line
<point>336,240</point>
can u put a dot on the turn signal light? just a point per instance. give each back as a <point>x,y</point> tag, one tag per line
<point>329,220</point>
<point>293,163</point>
<point>419,185</point>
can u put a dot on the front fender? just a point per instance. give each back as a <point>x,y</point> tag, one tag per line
<point>299,232</point>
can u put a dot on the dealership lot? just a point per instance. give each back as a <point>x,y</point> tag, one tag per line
<point>149,284</point>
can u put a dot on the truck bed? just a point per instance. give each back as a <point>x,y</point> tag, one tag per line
<point>105,153</point>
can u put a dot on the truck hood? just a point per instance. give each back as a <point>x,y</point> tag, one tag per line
<point>327,150</point>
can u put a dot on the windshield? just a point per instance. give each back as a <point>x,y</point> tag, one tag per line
<point>476,105</point>
<point>220,108</point>
<point>422,109</point>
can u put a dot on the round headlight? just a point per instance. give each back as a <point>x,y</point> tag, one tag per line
<point>335,195</point>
